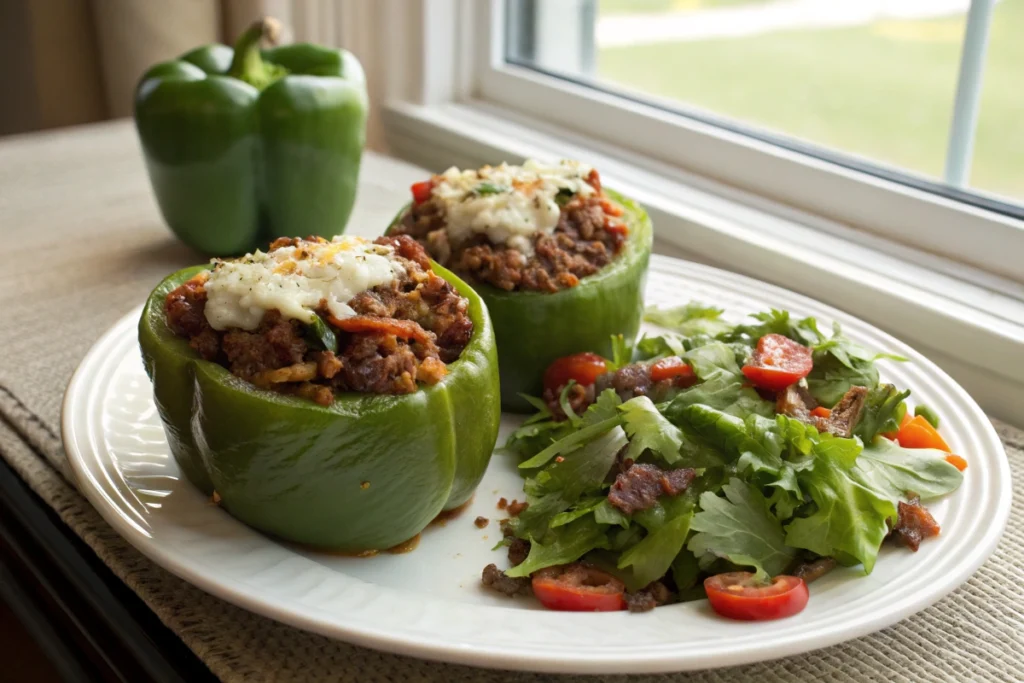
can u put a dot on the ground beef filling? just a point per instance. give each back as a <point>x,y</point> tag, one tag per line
<point>404,333</point>
<point>585,240</point>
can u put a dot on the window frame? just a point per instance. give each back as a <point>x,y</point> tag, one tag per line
<point>964,227</point>
<point>430,107</point>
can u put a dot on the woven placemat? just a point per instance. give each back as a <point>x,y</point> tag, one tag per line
<point>71,267</point>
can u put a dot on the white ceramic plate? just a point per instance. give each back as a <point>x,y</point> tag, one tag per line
<point>429,602</point>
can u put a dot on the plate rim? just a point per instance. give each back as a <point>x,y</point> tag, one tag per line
<point>509,658</point>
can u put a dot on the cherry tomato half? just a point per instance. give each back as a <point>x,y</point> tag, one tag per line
<point>675,369</point>
<point>778,362</point>
<point>919,433</point>
<point>585,368</point>
<point>737,596</point>
<point>578,587</point>
<point>421,191</point>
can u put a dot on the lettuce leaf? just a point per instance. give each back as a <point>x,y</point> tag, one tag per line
<point>749,443</point>
<point>649,348</point>
<point>881,412</point>
<point>831,378</point>
<point>804,331</point>
<point>714,360</point>
<point>839,364</point>
<point>850,518</point>
<point>583,507</point>
<point>741,528</point>
<point>563,545</point>
<point>652,557</point>
<point>600,417</point>
<point>690,319</point>
<point>620,352</point>
<point>556,488</point>
<point>893,472</point>
<point>847,351</point>
<point>606,513</point>
<point>649,430</point>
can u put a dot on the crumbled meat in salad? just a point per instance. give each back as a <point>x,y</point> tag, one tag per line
<point>648,598</point>
<point>639,487</point>
<point>815,569</point>
<point>628,382</point>
<point>496,580</point>
<point>518,549</point>
<point>914,524</point>
<point>797,402</point>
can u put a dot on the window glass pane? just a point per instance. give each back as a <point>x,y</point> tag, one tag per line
<point>999,146</point>
<point>871,79</point>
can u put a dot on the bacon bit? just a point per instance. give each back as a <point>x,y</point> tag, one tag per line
<point>957,462</point>
<point>481,522</point>
<point>366,324</point>
<point>594,179</point>
<point>914,524</point>
<point>365,485</point>
<point>515,508</point>
<point>822,412</point>
<point>502,503</point>
<point>559,459</point>
<point>215,498</point>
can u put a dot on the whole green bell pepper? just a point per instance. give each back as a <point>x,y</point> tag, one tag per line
<point>245,145</point>
<point>365,473</point>
<point>535,328</point>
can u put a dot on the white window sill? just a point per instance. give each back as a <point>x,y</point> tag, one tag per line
<point>967,321</point>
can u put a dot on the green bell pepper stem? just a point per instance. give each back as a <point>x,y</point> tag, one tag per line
<point>248,64</point>
<point>535,328</point>
<point>245,146</point>
<point>365,473</point>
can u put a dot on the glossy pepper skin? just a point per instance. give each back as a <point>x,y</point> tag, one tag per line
<point>534,329</point>
<point>243,146</point>
<point>366,473</point>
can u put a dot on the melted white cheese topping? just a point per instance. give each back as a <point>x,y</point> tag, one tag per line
<point>294,280</point>
<point>509,204</point>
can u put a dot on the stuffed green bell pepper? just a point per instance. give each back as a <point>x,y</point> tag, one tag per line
<point>560,261</point>
<point>339,394</point>
<point>246,145</point>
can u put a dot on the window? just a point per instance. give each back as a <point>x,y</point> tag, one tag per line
<point>869,84</point>
<point>865,227</point>
<point>543,59</point>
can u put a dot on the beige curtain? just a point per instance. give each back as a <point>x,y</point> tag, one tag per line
<point>77,61</point>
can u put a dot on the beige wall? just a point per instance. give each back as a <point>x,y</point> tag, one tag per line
<point>48,49</point>
<point>75,61</point>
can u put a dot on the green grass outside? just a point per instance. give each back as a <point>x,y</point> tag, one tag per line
<point>883,91</point>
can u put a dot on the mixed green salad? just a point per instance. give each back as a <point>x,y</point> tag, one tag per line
<point>767,447</point>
